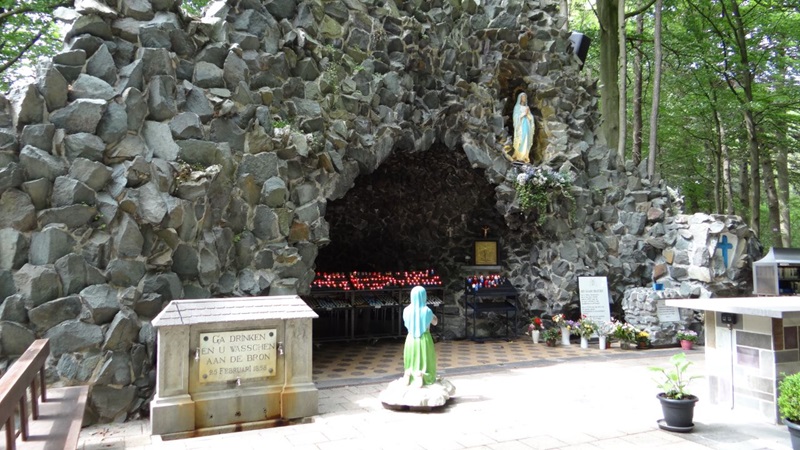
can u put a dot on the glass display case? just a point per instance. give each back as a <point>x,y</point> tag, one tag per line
<point>777,273</point>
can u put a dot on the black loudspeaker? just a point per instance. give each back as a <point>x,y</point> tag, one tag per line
<point>580,45</point>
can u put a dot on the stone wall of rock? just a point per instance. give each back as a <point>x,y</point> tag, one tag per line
<point>163,156</point>
<point>641,310</point>
<point>698,256</point>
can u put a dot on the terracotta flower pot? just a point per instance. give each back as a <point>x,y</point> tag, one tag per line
<point>686,345</point>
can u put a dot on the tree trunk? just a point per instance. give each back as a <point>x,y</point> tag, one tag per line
<point>651,157</point>
<point>637,97</point>
<point>714,168</point>
<point>744,189</point>
<point>623,87</point>
<point>746,79</point>
<point>755,176</point>
<point>782,164</point>
<point>782,158</point>
<point>726,170</point>
<point>609,87</point>
<point>721,175</point>
<point>772,199</point>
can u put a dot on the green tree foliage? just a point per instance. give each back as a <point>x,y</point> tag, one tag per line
<point>701,121</point>
<point>28,31</point>
<point>194,7</point>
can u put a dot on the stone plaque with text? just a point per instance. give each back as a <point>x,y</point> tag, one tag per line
<point>231,355</point>
<point>667,313</point>
<point>594,298</point>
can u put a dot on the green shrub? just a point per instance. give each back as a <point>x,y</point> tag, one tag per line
<point>789,397</point>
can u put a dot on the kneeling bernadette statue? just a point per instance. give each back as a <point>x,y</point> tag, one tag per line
<point>419,387</point>
<point>419,354</point>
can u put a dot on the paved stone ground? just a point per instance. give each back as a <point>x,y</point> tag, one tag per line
<point>589,403</point>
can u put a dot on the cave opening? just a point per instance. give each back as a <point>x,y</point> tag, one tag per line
<point>417,211</point>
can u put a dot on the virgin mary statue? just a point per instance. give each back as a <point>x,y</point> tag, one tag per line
<point>523,129</point>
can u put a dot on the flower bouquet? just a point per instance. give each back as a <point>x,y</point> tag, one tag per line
<point>604,331</point>
<point>534,328</point>
<point>561,321</point>
<point>567,327</point>
<point>585,328</point>
<point>535,325</point>
<point>536,185</point>
<point>606,328</point>
<point>625,332</point>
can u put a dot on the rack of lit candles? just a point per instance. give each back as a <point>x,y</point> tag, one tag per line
<point>333,281</point>
<point>475,283</point>
<point>369,305</point>
<point>375,281</point>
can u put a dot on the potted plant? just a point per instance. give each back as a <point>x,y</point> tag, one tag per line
<point>676,401</point>
<point>642,339</point>
<point>534,328</point>
<point>551,336</point>
<point>687,339</point>
<point>789,406</point>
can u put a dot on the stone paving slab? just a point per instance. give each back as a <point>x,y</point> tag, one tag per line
<point>590,403</point>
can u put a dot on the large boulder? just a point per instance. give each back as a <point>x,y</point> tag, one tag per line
<point>37,284</point>
<point>50,314</point>
<point>74,336</point>
<point>80,116</point>
<point>111,404</point>
<point>14,338</point>
<point>102,302</point>
<point>50,244</point>
<point>122,332</point>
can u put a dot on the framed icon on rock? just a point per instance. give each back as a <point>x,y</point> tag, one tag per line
<point>486,252</point>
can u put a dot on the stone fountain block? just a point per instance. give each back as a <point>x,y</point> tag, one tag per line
<point>230,363</point>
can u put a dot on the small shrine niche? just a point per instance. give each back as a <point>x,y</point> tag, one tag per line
<point>510,91</point>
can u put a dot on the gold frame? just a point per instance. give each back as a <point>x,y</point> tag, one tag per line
<point>485,252</point>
